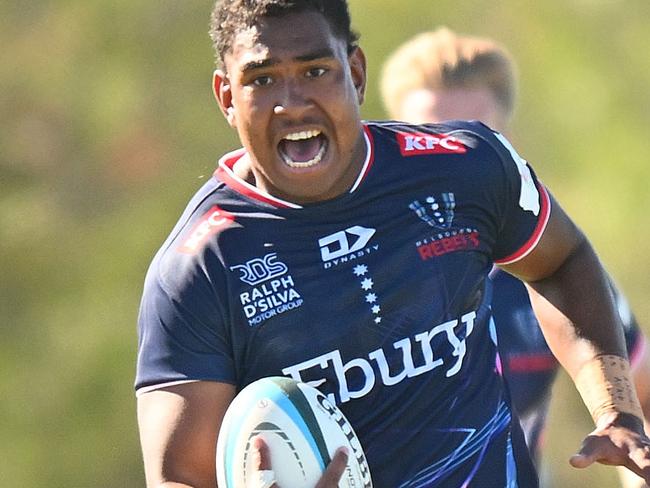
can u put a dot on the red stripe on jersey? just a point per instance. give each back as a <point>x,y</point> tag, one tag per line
<point>534,363</point>
<point>530,244</point>
<point>370,158</point>
<point>226,174</point>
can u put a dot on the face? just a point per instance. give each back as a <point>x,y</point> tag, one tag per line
<point>479,103</point>
<point>293,93</point>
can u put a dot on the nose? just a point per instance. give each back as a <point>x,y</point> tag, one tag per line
<point>294,100</point>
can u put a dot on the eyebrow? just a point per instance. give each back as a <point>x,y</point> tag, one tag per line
<point>253,65</point>
<point>265,63</point>
<point>326,52</point>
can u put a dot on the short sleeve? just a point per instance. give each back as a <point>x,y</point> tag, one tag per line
<point>182,332</point>
<point>523,205</point>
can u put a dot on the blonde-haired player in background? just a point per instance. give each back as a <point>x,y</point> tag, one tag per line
<point>438,76</point>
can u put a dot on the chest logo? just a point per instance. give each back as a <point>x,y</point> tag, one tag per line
<point>212,222</point>
<point>418,143</point>
<point>272,290</point>
<point>436,212</point>
<point>350,241</point>
<point>260,269</point>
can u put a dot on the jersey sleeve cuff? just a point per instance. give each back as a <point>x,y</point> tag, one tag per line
<point>160,386</point>
<point>532,242</point>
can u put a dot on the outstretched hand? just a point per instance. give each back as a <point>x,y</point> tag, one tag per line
<point>617,440</point>
<point>266,476</point>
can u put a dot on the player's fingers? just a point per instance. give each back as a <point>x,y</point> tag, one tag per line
<point>261,457</point>
<point>332,475</point>
<point>262,462</point>
<point>593,449</point>
<point>640,461</point>
<point>580,460</point>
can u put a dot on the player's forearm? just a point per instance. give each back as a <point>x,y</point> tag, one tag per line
<point>578,315</point>
<point>576,311</point>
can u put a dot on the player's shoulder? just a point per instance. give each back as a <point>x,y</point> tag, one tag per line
<point>185,254</point>
<point>471,127</point>
<point>452,137</point>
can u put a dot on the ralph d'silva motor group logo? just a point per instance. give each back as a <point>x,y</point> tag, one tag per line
<point>272,289</point>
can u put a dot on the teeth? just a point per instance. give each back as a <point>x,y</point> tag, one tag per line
<point>305,164</point>
<point>300,136</point>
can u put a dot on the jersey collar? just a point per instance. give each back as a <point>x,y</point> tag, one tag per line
<point>225,173</point>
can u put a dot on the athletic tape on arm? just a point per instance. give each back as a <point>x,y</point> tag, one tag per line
<point>605,384</point>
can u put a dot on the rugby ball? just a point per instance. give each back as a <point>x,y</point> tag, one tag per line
<point>302,430</point>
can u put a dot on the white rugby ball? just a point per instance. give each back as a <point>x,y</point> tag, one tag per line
<point>302,429</point>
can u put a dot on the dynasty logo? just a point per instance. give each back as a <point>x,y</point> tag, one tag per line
<point>346,245</point>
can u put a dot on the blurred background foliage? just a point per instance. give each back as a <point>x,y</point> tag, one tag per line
<point>107,126</point>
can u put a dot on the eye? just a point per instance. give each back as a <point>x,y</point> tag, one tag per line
<point>262,81</point>
<point>315,72</point>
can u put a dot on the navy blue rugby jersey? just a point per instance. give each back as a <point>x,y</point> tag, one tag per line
<point>378,297</point>
<point>528,363</point>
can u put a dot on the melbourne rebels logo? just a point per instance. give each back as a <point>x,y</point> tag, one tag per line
<point>272,291</point>
<point>438,213</point>
<point>346,245</point>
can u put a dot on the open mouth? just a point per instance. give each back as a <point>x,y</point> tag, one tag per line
<point>303,149</point>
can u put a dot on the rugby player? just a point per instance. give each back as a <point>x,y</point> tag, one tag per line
<point>355,256</point>
<point>437,76</point>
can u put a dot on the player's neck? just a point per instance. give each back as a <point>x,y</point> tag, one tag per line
<point>242,168</point>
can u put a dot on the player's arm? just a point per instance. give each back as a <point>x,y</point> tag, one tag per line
<point>179,426</point>
<point>178,433</point>
<point>567,278</point>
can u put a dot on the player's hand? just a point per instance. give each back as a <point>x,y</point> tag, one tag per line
<point>618,440</point>
<point>266,478</point>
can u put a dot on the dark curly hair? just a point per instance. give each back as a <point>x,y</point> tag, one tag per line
<point>229,17</point>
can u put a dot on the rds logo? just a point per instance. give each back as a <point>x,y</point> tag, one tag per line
<point>260,269</point>
<point>342,243</point>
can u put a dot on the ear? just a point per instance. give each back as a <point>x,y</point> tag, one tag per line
<point>223,94</point>
<point>357,60</point>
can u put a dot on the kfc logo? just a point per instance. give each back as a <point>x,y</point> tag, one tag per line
<point>417,143</point>
<point>212,222</point>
